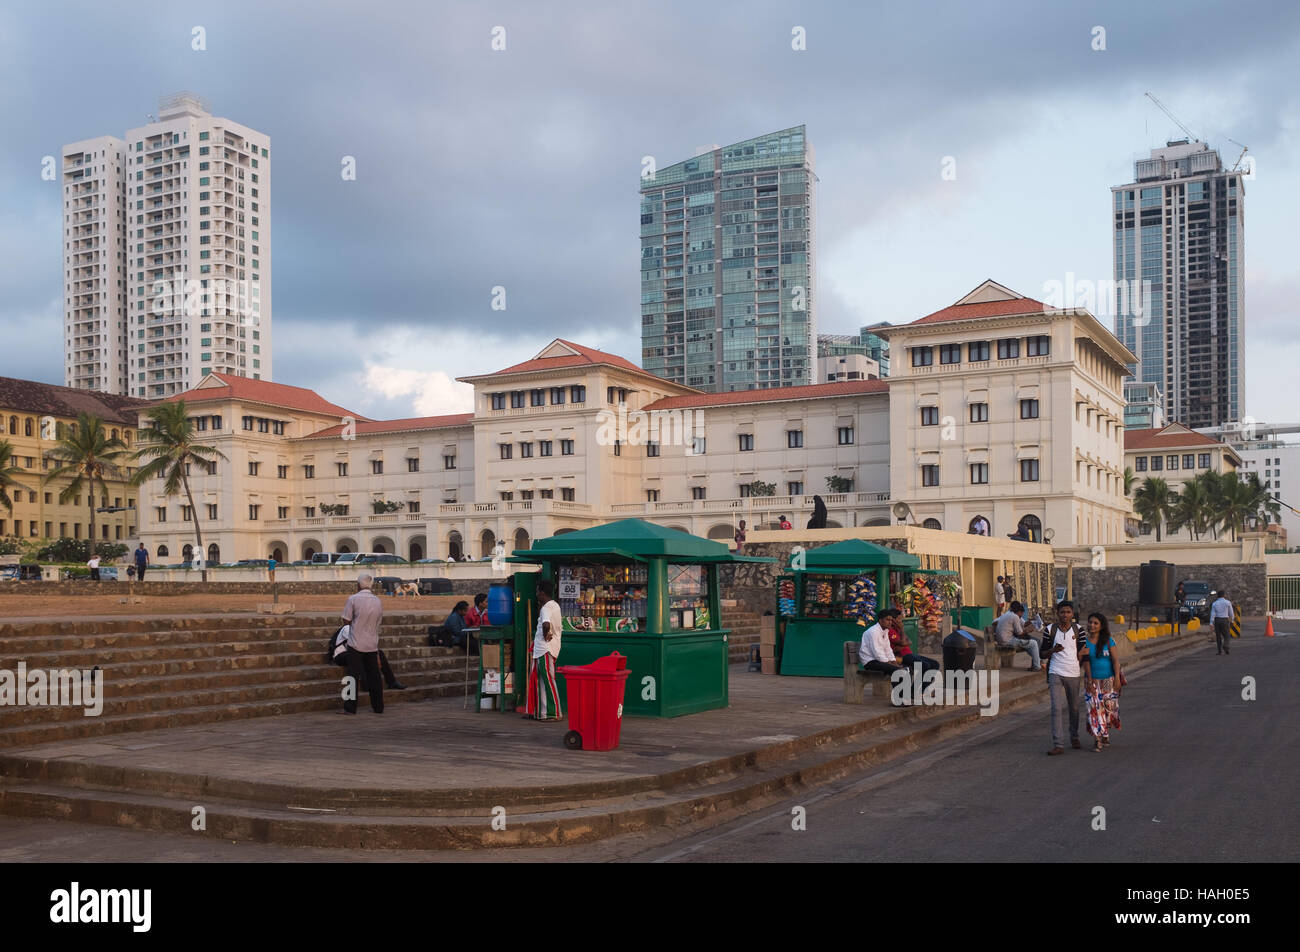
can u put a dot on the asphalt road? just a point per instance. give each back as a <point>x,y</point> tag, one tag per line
<point>1197,774</point>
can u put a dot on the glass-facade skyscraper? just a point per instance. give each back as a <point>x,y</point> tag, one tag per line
<point>728,295</point>
<point>1180,236</point>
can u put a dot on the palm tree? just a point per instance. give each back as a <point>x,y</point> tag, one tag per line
<point>1192,509</point>
<point>1154,501</point>
<point>1244,499</point>
<point>85,455</point>
<point>8,475</point>
<point>1129,479</point>
<point>1212,482</point>
<point>168,445</point>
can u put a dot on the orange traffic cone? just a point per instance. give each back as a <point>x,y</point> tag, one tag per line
<point>1268,629</point>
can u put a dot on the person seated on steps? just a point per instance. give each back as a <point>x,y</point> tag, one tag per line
<point>1010,630</point>
<point>875,653</point>
<point>903,648</point>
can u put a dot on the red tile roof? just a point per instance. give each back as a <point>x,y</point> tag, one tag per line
<point>32,396</point>
<point>962,312</point>
<point>398,426</point>
<point>585,357</point>
<point>1151,439</point>
<point>264,391</point>
<point>842,388</point>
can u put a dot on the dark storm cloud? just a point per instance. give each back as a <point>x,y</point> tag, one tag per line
<point>477,168</point>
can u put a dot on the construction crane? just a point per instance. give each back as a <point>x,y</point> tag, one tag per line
<point>1165,109</point>
<point>1237,165</point>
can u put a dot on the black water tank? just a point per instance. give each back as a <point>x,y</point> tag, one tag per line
<point>1156,583</point>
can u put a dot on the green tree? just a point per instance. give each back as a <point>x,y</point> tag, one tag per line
<point>1153,502</point>
<point>1242,500</point>
<point>86,456</point>
<point>760,488</point>
<point>8,475</point>
<point>1193,508</point>
<point>168,447</point>
<point>1130,478</point>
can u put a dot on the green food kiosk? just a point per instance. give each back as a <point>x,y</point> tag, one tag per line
<point>819,601</point>
<point>648,592</point>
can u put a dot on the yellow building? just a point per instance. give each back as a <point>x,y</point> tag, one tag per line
<point>32,414</point>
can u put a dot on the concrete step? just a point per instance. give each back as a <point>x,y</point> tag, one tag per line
<point>243,622</point>
<point>16,647</point>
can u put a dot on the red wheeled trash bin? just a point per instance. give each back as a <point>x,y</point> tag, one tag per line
<point>595,702</point>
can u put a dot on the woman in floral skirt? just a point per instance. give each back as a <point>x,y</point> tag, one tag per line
<point>1102,682</point>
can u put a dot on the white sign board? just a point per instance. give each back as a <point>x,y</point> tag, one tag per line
<point>570,590</point>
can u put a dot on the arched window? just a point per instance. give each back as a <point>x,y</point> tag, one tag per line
<point>114,432</point>
<point>455,547</point>
<point>13,425</point>
<point>214,554</point>
<point>980,526</point>
<point>1032,527</point>
<point>187,553</point>
<point>932,524</point>
<point>487,541</point>
<point>417,552</point>
<point>27,427</point>
<point>162,552</point>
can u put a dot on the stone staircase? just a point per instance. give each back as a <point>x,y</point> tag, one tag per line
<point>176,671</point>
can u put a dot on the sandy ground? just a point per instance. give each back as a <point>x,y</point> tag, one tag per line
<point>73,606</point>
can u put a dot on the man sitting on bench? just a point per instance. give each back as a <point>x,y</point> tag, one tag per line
<point>1009,632</point>
<point>875,653</point>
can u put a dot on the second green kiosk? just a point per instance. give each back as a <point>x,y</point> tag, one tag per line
<point>650,593</point>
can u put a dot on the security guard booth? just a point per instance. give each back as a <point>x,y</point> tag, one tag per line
<point>650,593</point>
<point>821,600</point>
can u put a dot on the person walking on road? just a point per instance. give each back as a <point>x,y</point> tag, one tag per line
<point>141,562</point>
<point>363,611</point>
<point>1102,683</point>
<point>1063,643</point>
<point>1221,614</point>
<point>543,700</point>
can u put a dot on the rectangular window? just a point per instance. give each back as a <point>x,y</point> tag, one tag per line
<point>277,426</point>
<point>413,505</point>
<point>506,496</point>
<point>282,472</point>
<point>979,413</point>
<point>566,447</point>
<point>309,512</point>
<point>929,475</point>
<point>282,512</point>
<point>537,398</point>
<point>652,495</point>
<point>247,422</point>
<point>794,439</point>
<point>309,472</point>
<point>1008,348</point>
<point>1189,461</point>
<point>1157,464</point>
<point>577,394</point>
<point>922,356</point>
<point>844,435</point>
<point>516,399</point>
<point>342,468</point>
<point>950,353</point>
<point>253,468</point>
<point>1140,464</point>
<point>979,473</point>
<point>377,467</point>
<point>618,448</point>
<point>1171,462</point>
<point>544,447</point>
<point>253,511</point>
<point>449,461</point>
<point>1029,409</point>
<point>698,445</point>
<point>507,450</point>
<point>212,511</point>
<point>929,416</point>
<point>698,492</point>
<point>651,449</point>
<point>1203,461</point>
<point>557,396</point>
<point>567,495</point>
<point>160,513</point>
<point>263,425</point>
<point>977,350</point>
<point>498,401</point>
<point>525,450</point>
<point>1038,346</point>
<point>794,489</point>
<point>526,494</point>
<point>746,442</point>
<point>1029,470</point>
<point>546,494</point>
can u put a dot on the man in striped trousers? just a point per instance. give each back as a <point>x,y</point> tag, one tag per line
<point>543,701</point>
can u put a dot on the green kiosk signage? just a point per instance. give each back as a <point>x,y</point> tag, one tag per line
<point>648,592</point>
<point>818,603</point>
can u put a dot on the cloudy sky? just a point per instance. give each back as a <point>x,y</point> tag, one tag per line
<point>519,168</point>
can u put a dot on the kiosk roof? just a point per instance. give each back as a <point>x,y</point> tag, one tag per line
<point>629,537</point>
<point>857,554</point>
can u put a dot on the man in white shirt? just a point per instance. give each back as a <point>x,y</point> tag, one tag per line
<point>93,565</point>
<point>1009,630</point>
<point>1000,595</point>
<point>875,653</point>
<point>543,700</point>
<point>1062,642</point>
<point>363,613</point>
<point>1221,615</point>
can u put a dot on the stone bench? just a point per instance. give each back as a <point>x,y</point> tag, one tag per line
<point>996,655</point>
<point>856,680</point>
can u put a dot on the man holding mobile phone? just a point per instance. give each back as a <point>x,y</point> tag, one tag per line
<point>1063,642</point>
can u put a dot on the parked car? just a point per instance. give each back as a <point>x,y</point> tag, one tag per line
<point>382,558</point>
<point>430,561</point>
<point>326,558</point>
<point>354,558</point>
<point>20,573</point>
<point>301,562</point>
<point>1196,600</point>
<point>251,563</point>
<point>108,573</point>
